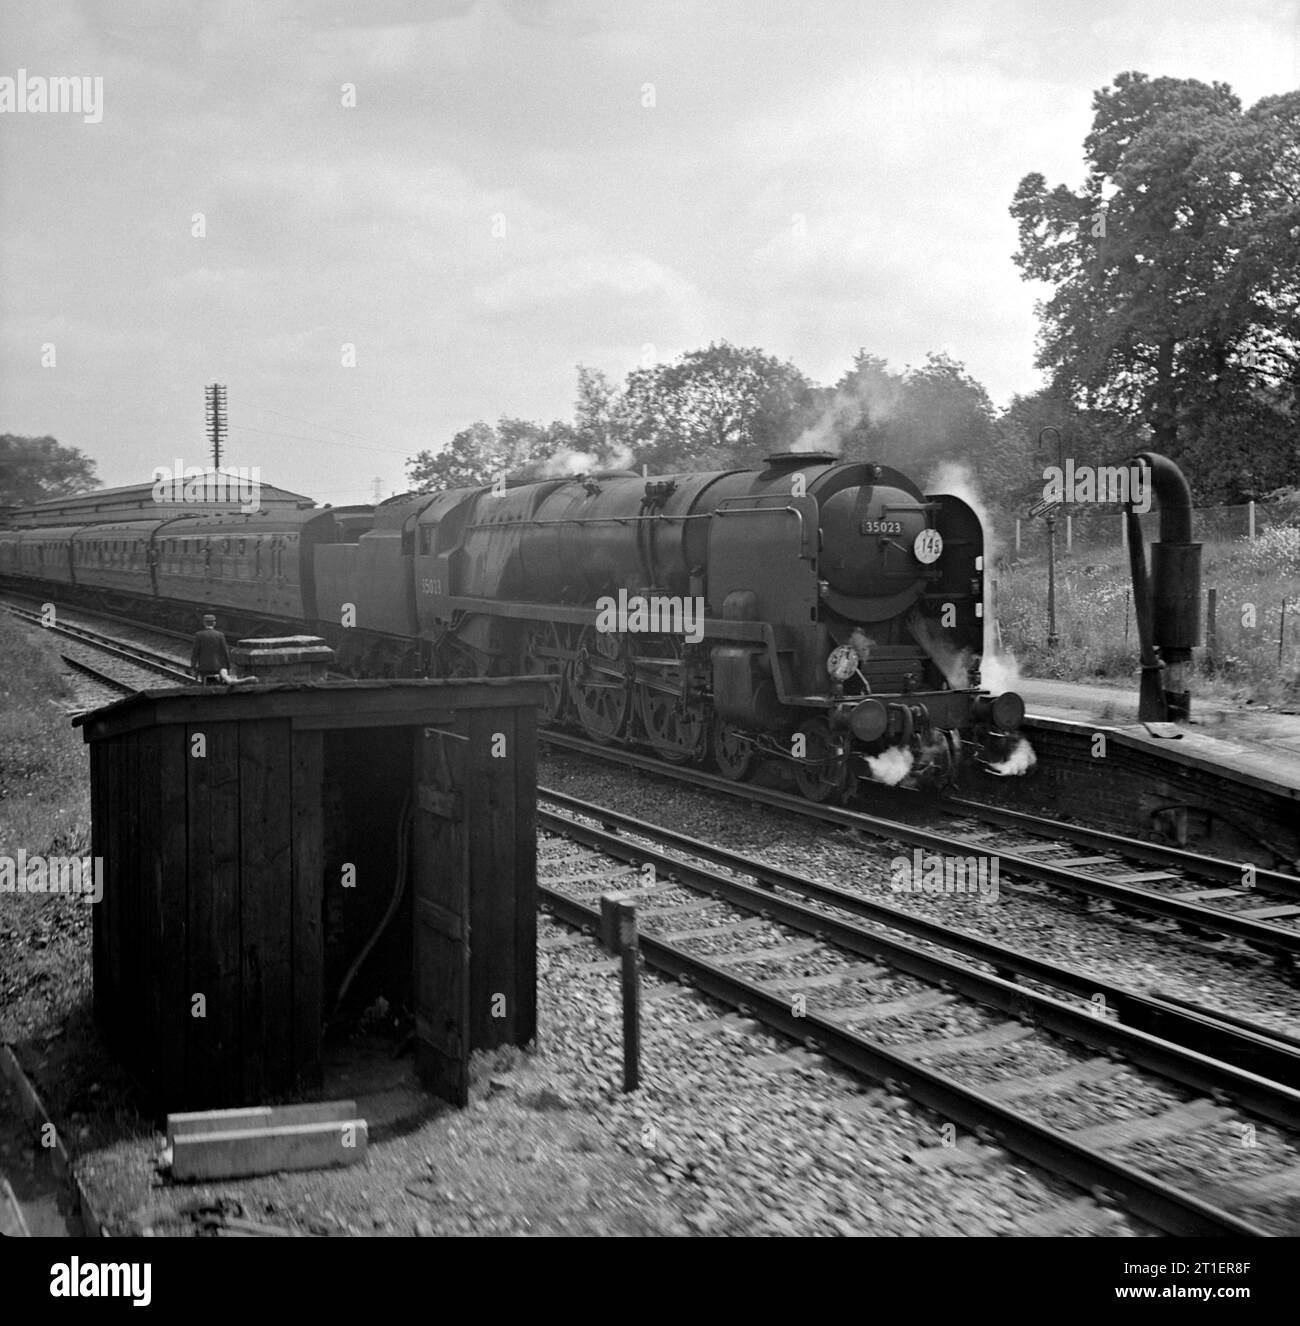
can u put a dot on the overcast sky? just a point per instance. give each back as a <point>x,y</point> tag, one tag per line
<point>525,185</point>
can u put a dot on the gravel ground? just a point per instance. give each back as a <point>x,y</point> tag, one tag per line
<point>725,1136</point>
<point>1225,1147</point>
<point>734,1131</point>
<point>1153,958</point>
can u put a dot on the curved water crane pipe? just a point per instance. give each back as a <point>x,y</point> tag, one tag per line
<point>1168,603</point>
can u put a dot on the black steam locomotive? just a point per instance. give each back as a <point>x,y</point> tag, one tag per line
<point>828,614</point>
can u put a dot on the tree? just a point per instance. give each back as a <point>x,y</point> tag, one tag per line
<point>598,424</point>
<point>910,420</point>
<point>35,468</point>
<point>1177,273</point>
<point>854,414</point>
<point>482,454</point>
<point>941,414</point>
<point>714,408</point>
<point>1012,473</point>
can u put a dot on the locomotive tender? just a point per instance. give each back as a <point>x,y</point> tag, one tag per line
<point>827,613</point>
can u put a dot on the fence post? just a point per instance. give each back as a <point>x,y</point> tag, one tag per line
<point>1123,532</point>
<point>1069,534</point>
<point>609,921</point>
<point>1250,518</point>
<point>1281,633</point>
<point>1211,625</point>
<point>1017,536</point>
<point>618,935</point>
<point>630,950</point>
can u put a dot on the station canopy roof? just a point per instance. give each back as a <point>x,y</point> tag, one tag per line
<point>138,499</point>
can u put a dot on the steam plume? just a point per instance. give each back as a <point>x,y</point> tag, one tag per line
<point>1020,761</point>
<point>891,766</point>
<point>850,406</point>
<point>568,462</point>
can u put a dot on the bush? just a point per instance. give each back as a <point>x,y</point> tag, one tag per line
<point>1098,632</point>
<point>44,784</point>
<point>1275,551</point>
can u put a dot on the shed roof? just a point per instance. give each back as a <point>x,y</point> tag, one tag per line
<point>311,704</point>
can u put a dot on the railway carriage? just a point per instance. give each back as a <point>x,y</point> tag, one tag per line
<point>116,556</point>
<point>826,613</point>
<point>259,565</point>
<point>37,554</point>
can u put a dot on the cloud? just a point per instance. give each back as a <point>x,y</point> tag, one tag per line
<point>577,276</point>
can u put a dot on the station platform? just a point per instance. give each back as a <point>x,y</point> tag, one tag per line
<point>1261,743</point>
<point>1226,783</point>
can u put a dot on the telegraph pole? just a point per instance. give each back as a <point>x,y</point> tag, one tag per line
<point>1050,511</point>
<point>215,412</point>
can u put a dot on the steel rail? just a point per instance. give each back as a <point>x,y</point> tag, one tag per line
<point>98,613</point>
<point>1233,1041</point>
<point>129,653</point>
<point>1212,867</point>
<point>1149,1198</point>
<point>1270,938</point>
<point>1189,1067</point>
<point>124,687</point>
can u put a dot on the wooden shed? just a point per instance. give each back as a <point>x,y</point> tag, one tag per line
<point>254,840</point>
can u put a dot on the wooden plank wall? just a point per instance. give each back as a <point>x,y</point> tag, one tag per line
<point>440,915</point>
<point>100,847</point>
<point>214,1042</point>
<point>500,798</point>
<point>168,901</point>
<point>265,906</point>
<point>308,906</point>
<point>209,946</point>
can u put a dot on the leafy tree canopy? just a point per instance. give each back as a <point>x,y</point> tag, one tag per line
<point>35,468</point>
<point>1176,275</point>
<point>483,453</point>
<point>715,408</point>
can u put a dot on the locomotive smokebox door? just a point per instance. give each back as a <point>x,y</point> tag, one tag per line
<point>441,916</point>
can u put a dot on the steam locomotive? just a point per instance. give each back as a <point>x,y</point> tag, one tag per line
<point>828,614</point>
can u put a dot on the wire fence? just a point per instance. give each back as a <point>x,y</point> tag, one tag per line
<point>1097,529</point>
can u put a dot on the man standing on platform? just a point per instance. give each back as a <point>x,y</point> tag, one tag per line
<point>210,658</point>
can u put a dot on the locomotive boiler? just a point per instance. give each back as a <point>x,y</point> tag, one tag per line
<point>829,614</point>
<point>826,613</point>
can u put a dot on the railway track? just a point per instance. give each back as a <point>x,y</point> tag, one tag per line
<point>133,664</point>
<point>1185,888</point>
<point>98,614</point>
<point>816,973</point>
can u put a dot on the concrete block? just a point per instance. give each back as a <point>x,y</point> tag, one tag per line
<point>228,1144</point>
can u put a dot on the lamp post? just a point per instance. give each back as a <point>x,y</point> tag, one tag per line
<point>1052,638</point>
